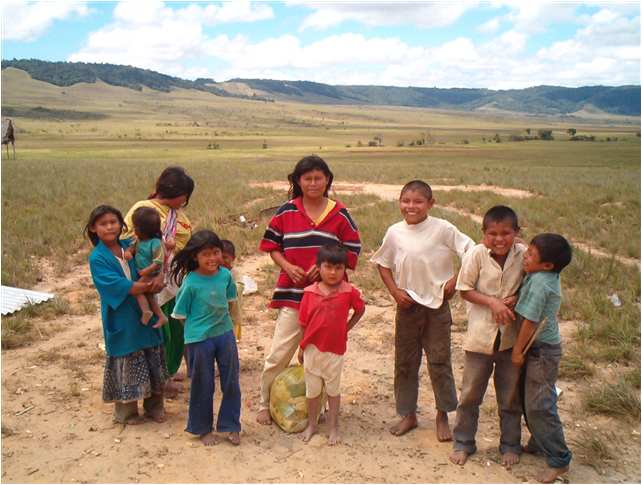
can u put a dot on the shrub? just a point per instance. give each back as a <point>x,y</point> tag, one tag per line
<point>545,134</point>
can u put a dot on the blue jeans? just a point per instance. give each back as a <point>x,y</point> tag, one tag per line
<point>540,404</point>
<point>202,355</point>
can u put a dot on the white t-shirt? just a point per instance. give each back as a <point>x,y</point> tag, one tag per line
<point>420,257</point>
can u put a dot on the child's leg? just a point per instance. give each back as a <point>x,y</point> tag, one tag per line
<point>156,309</point>
<point>146,313</point>
<point>435,341</point>
<point>201,398</point>
<point>542,367</point>
<point>509,404</point>
<point>333,419</point>
<point>477,370</point>
<point>407,361</point>
<point>127,413</point>
<point>227,360</point>
<point>313,388</point>
<point>287,335</point>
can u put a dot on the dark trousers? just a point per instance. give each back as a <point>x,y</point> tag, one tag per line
<point>477,371</point>
<point>223,351</point>
<point>421,328</point>
<point>540,404</point>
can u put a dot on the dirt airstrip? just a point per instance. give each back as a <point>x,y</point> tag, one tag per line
<point>55,427</point>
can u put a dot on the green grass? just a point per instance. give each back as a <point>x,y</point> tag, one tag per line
<point>619,399</point>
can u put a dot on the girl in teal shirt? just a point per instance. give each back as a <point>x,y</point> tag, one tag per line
<point>135,363</point>
<point>206,291</point>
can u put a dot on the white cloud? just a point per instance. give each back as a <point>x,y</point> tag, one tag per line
<point>27,21</point>
<point>429,14</point>
<point>489,27</point>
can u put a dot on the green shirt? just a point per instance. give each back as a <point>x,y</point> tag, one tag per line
<point>539,300</point>
<point>148,252</point>
<point>202,301</point>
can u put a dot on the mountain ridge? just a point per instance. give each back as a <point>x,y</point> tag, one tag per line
<point>545,99</point>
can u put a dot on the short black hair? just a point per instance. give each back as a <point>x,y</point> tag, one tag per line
<point>333,254</point>
<point>147,223</point>
<point>500,213</point>
<point>173,182</point>
<point>228,247</point>
<point>419,186</point>
<point>553,248</point>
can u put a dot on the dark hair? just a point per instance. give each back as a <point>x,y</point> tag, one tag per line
<point>147,223</point>
<point>228,247</point>
<point>553,248</point>
<point>96,214</point>
<point>185,260</point>
<point>500,213</point>
<point>419,186</point>
<point>173,182</point>
<point>307,164</point>
<point>333,254</point>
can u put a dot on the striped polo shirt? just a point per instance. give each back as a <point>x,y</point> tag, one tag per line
<point>299,238</point>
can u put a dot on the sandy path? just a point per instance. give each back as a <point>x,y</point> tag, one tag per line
<point>57,429</point>
<point>391,192</point>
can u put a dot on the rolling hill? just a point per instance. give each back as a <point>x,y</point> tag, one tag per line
<point>538,100</point>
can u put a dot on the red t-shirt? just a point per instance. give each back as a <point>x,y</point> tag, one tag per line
<point>324,318</point>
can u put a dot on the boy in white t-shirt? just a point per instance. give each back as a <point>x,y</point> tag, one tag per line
<point>415,262</point>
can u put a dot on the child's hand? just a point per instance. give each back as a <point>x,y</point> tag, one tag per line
<point>510,301</point>
<point>402,298</point>
<point>299,356</point>
<point>170,243</point>
<point>128,254</point>
<point>517,358</point>
<point>449,288</point>
<point>295,273</point>
<point>501,313</point>
<point>312,274</point>
<point>139,287</point>
<point>157,284</point>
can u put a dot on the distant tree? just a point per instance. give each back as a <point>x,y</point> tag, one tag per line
<point>545,134</point>
<point>373,143</point>
<point>528,131</point>
<point>359,144</point>
<point>265,145</point>
<point>497,138</point>
<point>378,139</point>
<point>571,131</point>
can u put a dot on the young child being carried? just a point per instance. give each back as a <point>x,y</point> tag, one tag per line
<point>206,290</point>
<point>489,278</point>
<point>323,314</point>
<point>236,307</point>
<point>415,262</point>
<point>539,302</point>
<point>148,254</point>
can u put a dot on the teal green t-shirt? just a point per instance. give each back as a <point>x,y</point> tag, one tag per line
<point>148,252</point>
<point>202,301</point>
<point>540,298</point>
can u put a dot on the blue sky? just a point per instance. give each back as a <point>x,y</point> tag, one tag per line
<point>497,44</point>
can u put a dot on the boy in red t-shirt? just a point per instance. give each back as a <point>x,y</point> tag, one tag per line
<point>323,314</point>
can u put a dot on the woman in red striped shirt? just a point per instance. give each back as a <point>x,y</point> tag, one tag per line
<point>293,237</point>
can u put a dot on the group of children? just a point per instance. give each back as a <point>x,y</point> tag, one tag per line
<point>513,296</point>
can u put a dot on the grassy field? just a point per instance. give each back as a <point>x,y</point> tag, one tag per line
<point>588,191</point>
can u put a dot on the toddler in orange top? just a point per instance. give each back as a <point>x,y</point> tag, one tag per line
<point>323,314</point>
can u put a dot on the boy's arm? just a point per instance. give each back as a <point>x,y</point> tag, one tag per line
<point>356,316</point>
<point>502,314</point>
<point>401,297</point>
<point>523,338</point>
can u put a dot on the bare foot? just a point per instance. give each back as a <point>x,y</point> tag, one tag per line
<point>157,416</point>
<point>133,420</point>
<point>405,424</point>
<point>160,322</point>
<point>209,439</point>
<point>234,438</point>
<point>550,474</point>
<point>441,424</point>
<point>530,450</point>
<point>509,459</point>
<point>308,433</point>
<point>333,437</point>
<point>146,316</point>
<point>458,457</point>
<point>263,417</point>
<point>171,390</point>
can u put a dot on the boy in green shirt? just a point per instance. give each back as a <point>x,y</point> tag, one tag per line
<point>538,347</point>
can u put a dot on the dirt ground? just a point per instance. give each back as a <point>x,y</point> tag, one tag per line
<point>56,428</point>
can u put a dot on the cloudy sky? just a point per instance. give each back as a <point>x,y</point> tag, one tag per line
<point>495,44</point>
